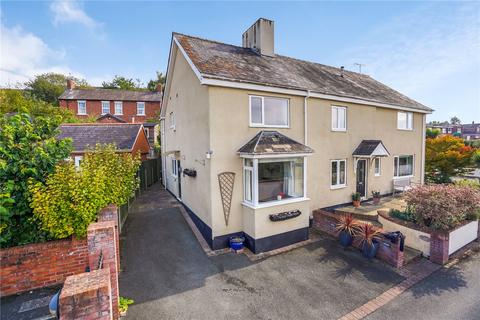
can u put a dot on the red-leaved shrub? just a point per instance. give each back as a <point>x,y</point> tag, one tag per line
<point>442,206</point>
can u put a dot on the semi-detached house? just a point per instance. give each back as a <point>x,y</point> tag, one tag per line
<point>248,135</point>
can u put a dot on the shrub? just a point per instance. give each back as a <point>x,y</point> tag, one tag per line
<point>29,151</point>
<point>468,183</point>
<point>403,215</point>
<point>442,207</point>
<point>71,197</point>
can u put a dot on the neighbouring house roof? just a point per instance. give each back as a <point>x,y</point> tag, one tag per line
<point>470,128</point>
<point>111,116</point>
<point>371,148</point>
<point>271,143</point>
<point>110,95</point>
<point>149,124</point>
<point>222,61</point>
<point>86,136</point>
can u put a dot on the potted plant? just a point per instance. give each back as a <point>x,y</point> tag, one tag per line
<point>376,197</point>
<point>280,196</point>
<point>123,304</point>
<point>356,199</point>
<point>369,236</point>
<point>347,227</point>
<point>236,242</point>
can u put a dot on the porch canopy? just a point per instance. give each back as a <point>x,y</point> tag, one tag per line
<point>370,149</point>
<point>272,143</point>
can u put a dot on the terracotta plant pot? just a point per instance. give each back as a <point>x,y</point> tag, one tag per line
<point>356,203</point>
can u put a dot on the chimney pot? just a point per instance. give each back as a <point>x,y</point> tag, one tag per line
<point>70,84</point>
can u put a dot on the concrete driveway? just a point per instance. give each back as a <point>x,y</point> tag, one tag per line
<point>169,276</point>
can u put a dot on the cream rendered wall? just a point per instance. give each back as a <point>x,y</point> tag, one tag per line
<point>363,123</point>
<point>229,130</point>
<point>188,99</point>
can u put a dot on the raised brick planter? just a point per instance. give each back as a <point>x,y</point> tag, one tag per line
<point>41,265</point>
<point>387,251</point>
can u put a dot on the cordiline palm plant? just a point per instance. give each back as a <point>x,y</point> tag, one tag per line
<point>369,235</point>
<point>347,227</point>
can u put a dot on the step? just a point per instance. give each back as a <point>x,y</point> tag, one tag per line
<point>411,254</point>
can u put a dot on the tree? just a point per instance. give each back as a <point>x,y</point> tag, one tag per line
<point>152,84</point>
<point>455,120</point>
<point>71,198</point>
<point>445,157</point>
<point>29,151</point>
<point>18,101</point>
<point>49,86</point>
<point>432,132</point>
<point>123,83</point>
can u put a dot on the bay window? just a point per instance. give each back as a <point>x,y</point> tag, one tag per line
<point>403,166</point>
<point>273,180</point>
<point>269,112</point>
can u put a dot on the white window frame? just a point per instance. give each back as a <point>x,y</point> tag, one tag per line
<point>408,120</point>
<point>174,167</point>
<point>398,166</point>
<point>78,107</point>
<point>105,103</point>
<point>263,125</point>
<point>254,204</point>
<point>172,120</point>
<point>118,103</point>
<point>144,111</point>
<point>250,170</point>
<point>78,160</point>
<point>379,173</point>
<point>338,185</point>
<point>335,109</point>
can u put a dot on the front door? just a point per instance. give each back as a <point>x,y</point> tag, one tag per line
<point>361,177</point>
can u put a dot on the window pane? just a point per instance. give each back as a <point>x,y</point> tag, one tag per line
<point>118,108</point>
<point>341,118</point>
<point>406,166</point>
<point>298,178</point>
<point>248,163</point>
<point>256,110</point>
<point>377,165</point>
<point>334,173</point>
<point>248,185</point>
<point>342,172</point>
<point>395,166</point>
<point>409,120</point>
<point>140,108</point>
<point>82,108</point>
<point>334,118</point>
<point>105,107</point>
<point>276,111</point>
<point>280,180</point>
<point>402,120</point>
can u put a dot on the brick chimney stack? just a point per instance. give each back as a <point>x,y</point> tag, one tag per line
<point>70,84</point>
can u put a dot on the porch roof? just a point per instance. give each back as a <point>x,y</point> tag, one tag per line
<point>269,142</point>
<point>371,148</point>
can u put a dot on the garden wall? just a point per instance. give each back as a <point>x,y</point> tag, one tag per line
<point>40,265</point>
<point>388,251</point>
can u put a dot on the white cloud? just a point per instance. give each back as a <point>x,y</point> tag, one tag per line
<point>24,55</point>
<point>416,52</point>
<point>66,11</point>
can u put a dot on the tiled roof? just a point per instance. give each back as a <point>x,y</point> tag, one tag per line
<point>228,62</point>
<point>367,147</point>
<point>273,142</point>
<point>111,95</point>
<point>111,116</point>
<point>86,136</point>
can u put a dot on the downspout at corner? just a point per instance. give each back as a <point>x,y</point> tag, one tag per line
<point>424,133</point>
<point>305,120</point>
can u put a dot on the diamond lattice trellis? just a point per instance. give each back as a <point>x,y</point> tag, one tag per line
<point>226,181</point>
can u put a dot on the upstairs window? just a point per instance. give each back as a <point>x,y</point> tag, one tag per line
<point>82,107</point>
<point>105,107</point>
<point>269,112</point>
<point>119,107</point>
<point>339,118</point>
<point>404,120</point>
<point>403,166</point>
<point>338,173</point>
<point>140,108</point>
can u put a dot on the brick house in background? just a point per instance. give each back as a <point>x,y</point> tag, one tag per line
<point>114,106</point>
<point>128,137</point>
<point>465,131</point>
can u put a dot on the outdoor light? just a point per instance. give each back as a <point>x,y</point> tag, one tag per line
<point>208,154</point>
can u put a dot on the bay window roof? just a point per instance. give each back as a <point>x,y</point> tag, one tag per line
<point>269,142</point>
<point>371,148</point>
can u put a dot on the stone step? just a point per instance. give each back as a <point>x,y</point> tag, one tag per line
<point>358,215</point>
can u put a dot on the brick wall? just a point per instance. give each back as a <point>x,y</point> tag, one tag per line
<point>439,247</point>
<point>40,265</point>
<point>94,108</point>
<point>387,251</point>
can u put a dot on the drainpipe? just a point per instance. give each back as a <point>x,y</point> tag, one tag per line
<point>422,165</point>
<point>305,120</point>
<point>162,154</point>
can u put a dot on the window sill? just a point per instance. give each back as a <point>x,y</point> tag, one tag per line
<point>377,175</point>
<point>140,115</point>
<point>339,130</point>
<point>404,129</point>
<point>274,203</point>
<point>119,114</point>
<point>268,126</point>
<point>82,114</point>
<point>341,186</point>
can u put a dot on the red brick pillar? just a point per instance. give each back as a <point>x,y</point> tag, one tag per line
<point>101,239</point>
<point>110,213</point>
<point>398,257</point>
<point>439,247</point>
<point>87,296</point>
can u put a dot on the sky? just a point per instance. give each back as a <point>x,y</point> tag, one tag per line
<point>429,51</point>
